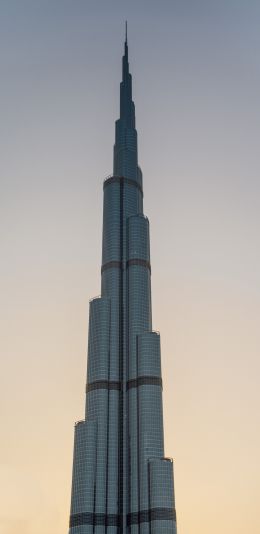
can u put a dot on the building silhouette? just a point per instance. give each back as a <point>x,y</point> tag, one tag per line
<point>121,482</point>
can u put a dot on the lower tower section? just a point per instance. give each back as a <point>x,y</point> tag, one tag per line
<point>83,478</point>
<point>162,512</point>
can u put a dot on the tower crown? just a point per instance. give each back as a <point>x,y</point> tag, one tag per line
<point>125,147</point>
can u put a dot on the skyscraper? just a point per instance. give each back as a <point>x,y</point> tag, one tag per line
<point>121,482</point>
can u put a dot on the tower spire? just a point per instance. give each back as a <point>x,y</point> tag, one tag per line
<point>126,48</point>
<point>125,148</point>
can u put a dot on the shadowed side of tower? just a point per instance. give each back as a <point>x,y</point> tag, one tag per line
<point>121,482</point>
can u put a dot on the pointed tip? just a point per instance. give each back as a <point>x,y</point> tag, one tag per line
<point>126,31</point>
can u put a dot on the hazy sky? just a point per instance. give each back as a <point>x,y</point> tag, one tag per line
<point>196,83</point>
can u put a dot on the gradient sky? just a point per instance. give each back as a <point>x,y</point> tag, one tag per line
<point>196,84</point>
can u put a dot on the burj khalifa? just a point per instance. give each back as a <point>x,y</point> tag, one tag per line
<point>121,482</point>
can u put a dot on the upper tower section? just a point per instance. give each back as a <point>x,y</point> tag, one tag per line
<point>125,148</point>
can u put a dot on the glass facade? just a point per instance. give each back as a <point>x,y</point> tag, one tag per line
<point>121,482</point>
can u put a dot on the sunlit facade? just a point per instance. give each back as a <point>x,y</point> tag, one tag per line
<point>121,481</point>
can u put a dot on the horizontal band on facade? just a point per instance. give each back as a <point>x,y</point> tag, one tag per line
<point>88,518</point>
<point>103,384</point>
<point>111,264</point>
<point>111,520</point>
<point>133,383</point>
<point>122,180</point>
<point>138,261</point>
<point>154,514</point>
<point>144,381</point>
<point>129,263</point>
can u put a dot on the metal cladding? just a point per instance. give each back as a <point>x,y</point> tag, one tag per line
<point>121,482</point>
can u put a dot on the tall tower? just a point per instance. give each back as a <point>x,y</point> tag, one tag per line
<point>122,483</point>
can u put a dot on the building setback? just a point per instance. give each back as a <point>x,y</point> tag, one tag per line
<point>121,482</point>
